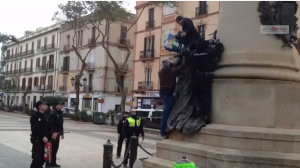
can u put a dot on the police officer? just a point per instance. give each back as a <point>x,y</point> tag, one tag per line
<point>40,134</point>
<point>132,125</point>
<point>121,137</point>
<point>57,122</point>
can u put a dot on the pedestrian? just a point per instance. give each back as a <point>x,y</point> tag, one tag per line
<point>120,134</point>
<point>189,32</point>
<point>40,134</point>
<point>57,122</point>
<point>132,125</point>
<point>167,78</point>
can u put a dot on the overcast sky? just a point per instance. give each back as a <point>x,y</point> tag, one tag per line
<point>18,16</point>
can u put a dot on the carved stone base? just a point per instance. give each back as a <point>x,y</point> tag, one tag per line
<point>224,146</point>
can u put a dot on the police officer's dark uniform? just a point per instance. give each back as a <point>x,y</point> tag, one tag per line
<point>40,128</point>
<point>57,122</point>
<point>132,125</point>
<point>120,132</point>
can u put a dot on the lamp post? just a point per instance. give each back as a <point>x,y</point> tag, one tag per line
<point>77,84</point>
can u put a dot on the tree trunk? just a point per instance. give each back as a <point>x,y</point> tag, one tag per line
<point>24,100</point>
<point>77,89</point>
<point>122,91</point>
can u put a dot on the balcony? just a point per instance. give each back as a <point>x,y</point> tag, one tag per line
<point>26,88</point>
<point>145,85</point>
<point>92,42</point>
<point>63,88</point>
<point>150,24</point>
<point>147,54</point>
<point>88,88</point>
<point>125,67</point>
<point>28,53</point>
<point>118,91</point>
<point>26,70</point>
<point>123,42</point>
<point>90,66</point>
<point>41,88</point>
<point>44,67</point>
<point>48,48</point>
<point>67,48</point>
<point>198,12</point>
<point>64,69</point>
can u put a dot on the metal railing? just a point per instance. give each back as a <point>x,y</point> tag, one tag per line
<point>44,67</point>
<point>147,54</point>
<point>145,85</point>
<point>46,87</point>
<point>92,41</point>
<point>63,88</point>
<point>26,70</point>
<point>150,24</point>
<point>90,66</point>
<point>48,47</point>
<point>64,68</point>
<point>28,52</point>
<point>198,11</point>
<point>67,48</point>
<point>123,41</point>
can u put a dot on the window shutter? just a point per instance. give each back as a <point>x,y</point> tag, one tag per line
<point>64,63</point>
<point>153,42</point>
<point>68,61</point>
<point>145,45</point>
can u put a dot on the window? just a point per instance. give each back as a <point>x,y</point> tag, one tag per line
<point>38,62</point>
<point>44,62</point>
<point>38,44</point>
<point>50,82</point>
<point>201,31</point>
<point>166,34</point>
<point>93,33</point>
<point>168,10</point>
<point>151,14</point>
<point>68,39</point>
<point>26,48</point>
<point>32,46</point>
<point>81,37</point>
<point>8,53</point>
<point>21,50</point>
<point>53,40</point>
<point>202,7</point>
<point>66,62</point>
<point>148,77</point>
<point>45,41</point>
<point>42,80</point>
<point>51,61</point>
<point>78,38</point>
<point>36,81</point>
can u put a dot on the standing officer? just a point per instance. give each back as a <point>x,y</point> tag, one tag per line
<point>121,137</point>
<point>57,122</point>
<point>132,125</point>
<point>40,134</point>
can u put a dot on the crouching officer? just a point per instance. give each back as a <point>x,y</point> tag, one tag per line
<point>132,125</point>
<point>56,122</point>
<point>40,134</point>
<point>121,137</point>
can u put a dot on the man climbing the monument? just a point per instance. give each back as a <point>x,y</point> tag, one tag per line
<point>167,76</point>
<point>189,32</point>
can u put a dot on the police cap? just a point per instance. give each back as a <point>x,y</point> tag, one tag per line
<point>37,104</point>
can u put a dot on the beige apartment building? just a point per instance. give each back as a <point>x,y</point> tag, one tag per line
<point>31,62</point>
<point>100,91</point>
<point>152,30</point>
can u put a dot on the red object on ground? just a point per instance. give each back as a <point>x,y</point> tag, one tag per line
<point>48,152</point>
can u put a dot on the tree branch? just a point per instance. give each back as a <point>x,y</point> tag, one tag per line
<point>138,16</point>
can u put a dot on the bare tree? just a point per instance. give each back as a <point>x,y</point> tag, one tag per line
<point>99,14</point>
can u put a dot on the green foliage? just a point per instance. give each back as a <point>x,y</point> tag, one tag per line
<point>82,116</point>
<point>9,85</point>
<point>111,113</point>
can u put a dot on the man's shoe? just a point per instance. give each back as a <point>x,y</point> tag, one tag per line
<point>124,166</point>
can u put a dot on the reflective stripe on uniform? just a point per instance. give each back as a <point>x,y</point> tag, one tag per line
<point>184,165</point>
<point>131,122</point>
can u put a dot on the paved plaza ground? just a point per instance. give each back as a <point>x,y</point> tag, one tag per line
<point>81,148</point>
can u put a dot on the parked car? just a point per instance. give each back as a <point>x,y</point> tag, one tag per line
<point>68,110</point>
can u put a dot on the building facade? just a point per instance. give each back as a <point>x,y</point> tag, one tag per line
<point>152,29</point>
<point>100,91</point>
<point>31,62</point>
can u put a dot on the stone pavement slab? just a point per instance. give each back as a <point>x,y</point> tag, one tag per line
<point>81,148</point>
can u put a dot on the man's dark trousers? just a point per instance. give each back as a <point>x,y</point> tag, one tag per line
<point>37,154</point>
<point>120,144</point>
<point>55,146</point>
<point>126,158</point>
<point>168,103</point>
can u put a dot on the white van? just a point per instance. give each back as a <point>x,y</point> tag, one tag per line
<point>147,113</point>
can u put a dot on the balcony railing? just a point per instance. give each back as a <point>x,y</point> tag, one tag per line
<point>124,41</point>
<point>24,88</point>
<point>63,88</point>
<point>26,70</point>
<point>145,85</point>
<point>48,47</point>
<point>67,48</point>
<point>90,66</point>
<point>150,24</point>
<point>88,88</point>
<point>28,52</point>
<point>147,54</point>
<point>46,87</point>
<point>198,11</point>
<point>92,41</point>
<point>44,67</point>
<point>118,90</point>
<point>64,68</point>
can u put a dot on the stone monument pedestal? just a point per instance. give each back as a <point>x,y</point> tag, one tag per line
<point>255,102</point>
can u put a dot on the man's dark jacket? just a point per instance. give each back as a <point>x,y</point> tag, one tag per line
<point>120,125</point>
<point>167,78</point>
<point>40,126</point>
<point>57,122</point>
<point>191,32</point>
